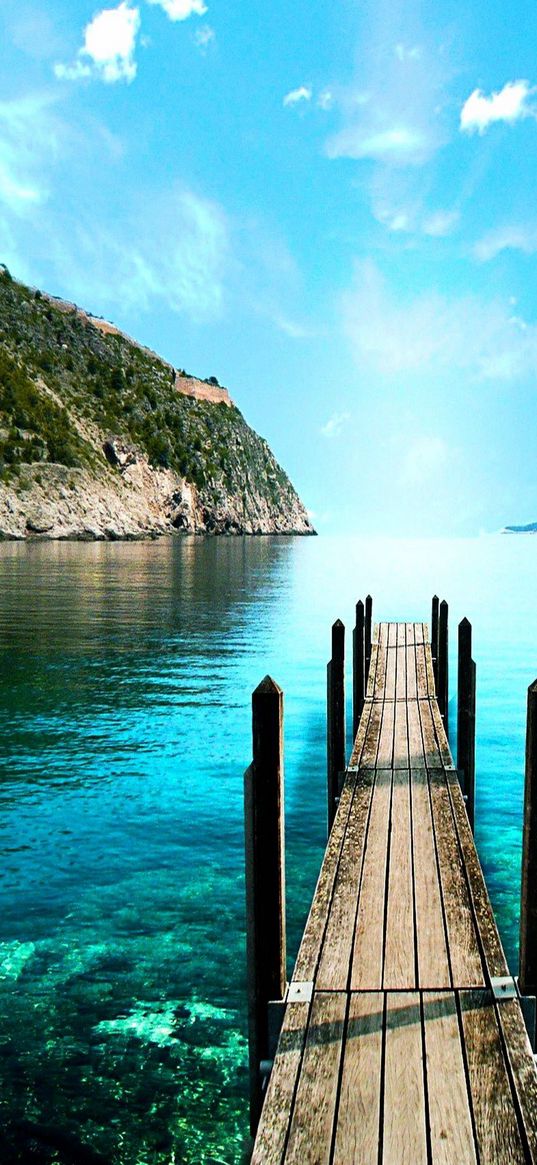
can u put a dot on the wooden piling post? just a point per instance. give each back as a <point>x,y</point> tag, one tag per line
<point>434,638</point>
<point>368,636</point>
<point>466,680</point>
<point>335,717</point>
<point>358,667</point>
<point>443,677</point>
<point>528,903</point>
<point>265,878</point>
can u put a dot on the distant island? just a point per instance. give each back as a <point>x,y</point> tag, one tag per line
<point>531,528</point>
<point>100,438</point>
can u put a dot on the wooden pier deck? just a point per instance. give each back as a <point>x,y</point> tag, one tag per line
<point>403,1041</point>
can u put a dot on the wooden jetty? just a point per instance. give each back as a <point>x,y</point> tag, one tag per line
<point>402,1039</point>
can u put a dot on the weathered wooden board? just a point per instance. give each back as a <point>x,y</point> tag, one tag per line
<point>368,953</point>
<point>310,1135</point>
<point>404,1125</point>
<point>433,965</point>
<point>450,1119</point>
<point>498,1136</point>
<point>399,962</point>
<point>272,1135</point>
<point>358,1123</point>
<point>334,966</point>
<point>463,944</point>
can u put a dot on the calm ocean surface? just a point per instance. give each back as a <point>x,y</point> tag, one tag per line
<point>125,729</point>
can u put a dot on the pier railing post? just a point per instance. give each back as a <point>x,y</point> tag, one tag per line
<point>335,718</point>
<point>265,879</point>
<point>368,636</point>
<point>528,904</point>
<point>466,715</point>
<point>434,638</point>
<point>358,667</point>
<point>443,677</point>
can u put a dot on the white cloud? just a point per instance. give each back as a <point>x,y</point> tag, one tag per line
<point>506,238</point>
<point>335,424</point>
<point>509,104</point>
<point>303,93</point>
<point>181,9</point>
<point>398,143</point>
<point>434,334</point>
<point>407,54</point>
<point>204,37</point>
<point>172,250</point>
<point>441,223</point>
<point>109,47</point>
<point>29,141</point>
<point>325,99</point>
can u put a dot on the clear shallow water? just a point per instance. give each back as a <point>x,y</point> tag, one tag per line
<point>125,728</point>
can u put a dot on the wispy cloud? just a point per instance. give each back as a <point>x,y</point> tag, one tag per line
<point>441,223</point>
<point>204,37</point>
<point>181,9</point>
<point>434,334</point>
<point>108,48</point>
<point>510,104</point>
<point>335,424</point>
<point>29,142</point>
<point>506,238</point>
<point>303,93</point>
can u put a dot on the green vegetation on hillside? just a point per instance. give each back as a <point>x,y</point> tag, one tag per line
<point>56,369</point>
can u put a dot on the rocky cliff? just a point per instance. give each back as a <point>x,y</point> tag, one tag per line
<point>100,438</point>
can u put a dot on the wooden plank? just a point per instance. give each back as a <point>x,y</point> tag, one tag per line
<point>401,668</point>
<point>383,631</point>
<point>334,965</point>
<point>463,945</point>
<point>433,965</point>
<point>421,672</point>
<point>399,959</point>
<point>498,1136</point>
<point>411,672</point>
<point>376,687</point>
<point>441,738</point>
<point>371,742</point>
<point>392,634</point>
<point>358,746</point>
<point>433,756</point>
<point>310,947</point>
<point>486,923</point>
<point>404,1136</point>
<point>401,634</point>
<point>385,749</point>
<point>358,1120</point>
<point>450,1121</point>
<point>310,1136</point>
<point>420,633</point>
<point>416,752</point>
<point>276,1115</point>
<point>367,956</point>
<point>400,739</point>
<point>391,673</point>
<point>522,1067</point>
<point>430,672</point>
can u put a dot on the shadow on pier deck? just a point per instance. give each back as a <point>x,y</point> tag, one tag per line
<point>403,1039</point>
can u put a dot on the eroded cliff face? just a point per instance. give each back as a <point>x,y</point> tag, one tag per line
<point>96,441</point>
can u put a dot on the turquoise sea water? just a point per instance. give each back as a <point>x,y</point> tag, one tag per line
<point>125,728</point>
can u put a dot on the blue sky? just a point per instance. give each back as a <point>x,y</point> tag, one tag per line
<point>329,206</point>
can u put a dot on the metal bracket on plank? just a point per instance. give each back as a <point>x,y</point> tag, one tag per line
<point>300,992</point>
<point>503,987</point>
